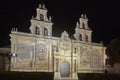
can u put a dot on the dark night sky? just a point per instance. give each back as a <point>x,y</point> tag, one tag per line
<point>103,17</point>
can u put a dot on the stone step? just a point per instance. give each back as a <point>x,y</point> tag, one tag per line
<point>66,79</point>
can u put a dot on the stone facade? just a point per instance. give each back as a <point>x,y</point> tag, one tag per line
<point>5,59</point>
<point>40,51</point>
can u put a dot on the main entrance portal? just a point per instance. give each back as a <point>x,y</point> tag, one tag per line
<point>65,69</point>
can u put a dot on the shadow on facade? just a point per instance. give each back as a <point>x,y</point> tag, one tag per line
<point>5,59</point>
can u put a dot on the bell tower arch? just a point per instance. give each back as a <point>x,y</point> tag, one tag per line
<point>41,24</point>
<point>82,31</point>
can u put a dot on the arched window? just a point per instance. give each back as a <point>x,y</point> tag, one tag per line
<point>80,37</point>
<point>37,30</point>
<point>86,38</point>
<point>83,25</point>
<point>41,17</point>
<point>45,31</point>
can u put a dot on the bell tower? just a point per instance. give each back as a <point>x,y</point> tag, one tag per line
<point>41,24</point>
<point>82,31</point>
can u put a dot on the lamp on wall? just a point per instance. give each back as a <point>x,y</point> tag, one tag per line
<point>13,55</point>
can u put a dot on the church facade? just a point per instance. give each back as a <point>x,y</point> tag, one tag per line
<point>39,51</point>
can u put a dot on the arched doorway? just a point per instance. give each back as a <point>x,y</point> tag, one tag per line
<point>65,69</point>
<point>37,30</point>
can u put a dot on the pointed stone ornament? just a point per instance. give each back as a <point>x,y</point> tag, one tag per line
<point>81,15</point>
<point>39,5</point>
<point>85,16</point>
<point>32,17</point>
<point>65,32</point>
<point>43,6</point>
<point>77,24</point>
<point>12,29</point>
<point>50,18</point>
<point>16,29</point>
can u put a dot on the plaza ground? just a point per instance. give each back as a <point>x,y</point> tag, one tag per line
<point>49,76</point>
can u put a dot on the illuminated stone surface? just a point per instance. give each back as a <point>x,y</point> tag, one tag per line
<point>40,51</point>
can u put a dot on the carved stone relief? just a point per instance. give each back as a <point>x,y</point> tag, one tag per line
<point>41,52</point>
<point>85,60</point>
<point>24,51</point>
<point>96,58</point>
<point>90,58</point>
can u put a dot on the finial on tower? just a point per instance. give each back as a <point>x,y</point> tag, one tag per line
<point>40,6</point>
<point>32,17</point>
<point>77,24</point>
<point>50,18</point>
<point>16,29</point>
<point>43,6</point>
<point>81,15</point>
<point>85,16</point>
<point>12,29</point>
